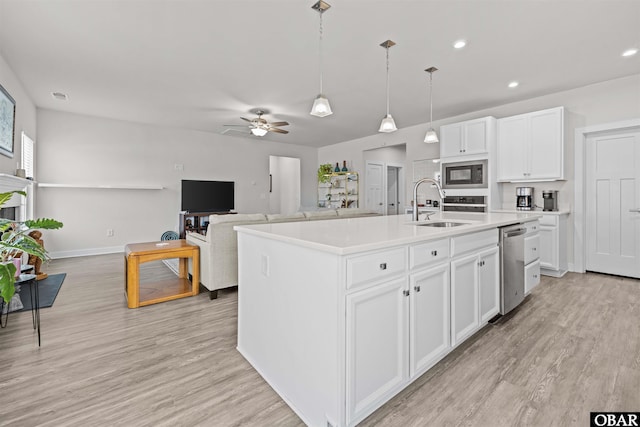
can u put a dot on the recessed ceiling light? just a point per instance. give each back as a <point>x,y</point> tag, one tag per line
<point>60,96</point>
<point>460,44</point>
<point>513,84</point>
<point>629,52</point>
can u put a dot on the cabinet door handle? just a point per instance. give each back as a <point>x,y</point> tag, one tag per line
<point>416,288</point>
<point>534,249</point>
<point>383,266</point>
<point>434,253</point>
<point>635,210</point>
<point>405,293</point>
<point>535,276</point>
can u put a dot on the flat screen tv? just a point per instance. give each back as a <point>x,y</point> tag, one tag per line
<point>207,196</point>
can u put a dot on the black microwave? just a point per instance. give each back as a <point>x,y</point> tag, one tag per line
<point>465,174</point>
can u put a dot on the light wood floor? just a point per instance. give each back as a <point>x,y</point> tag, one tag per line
<point>572,347</point>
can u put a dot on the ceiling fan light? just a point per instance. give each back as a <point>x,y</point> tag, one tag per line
<point>387,125</point>
<point>258,131</point>
<point>431,137</point>
<point>321,107</point>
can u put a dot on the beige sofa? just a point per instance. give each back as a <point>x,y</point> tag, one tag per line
<point>219,247</point>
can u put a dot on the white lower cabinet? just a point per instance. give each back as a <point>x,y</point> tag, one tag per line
<point>377,345</point>
<point>531,276</point>
<point>429,318</point>
<point>475,292</point>
<point>464,297</point>
<point>553,244</point>
<point>489,276</point>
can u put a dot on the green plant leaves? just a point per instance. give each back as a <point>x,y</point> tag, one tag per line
<point>7,280</point>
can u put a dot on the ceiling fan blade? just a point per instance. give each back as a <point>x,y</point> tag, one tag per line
<point>246,120</point>
<point>276,124</point>
<point>241,126</point>
<point>276,130</point>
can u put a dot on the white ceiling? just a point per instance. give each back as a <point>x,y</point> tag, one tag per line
<point>198,64</point>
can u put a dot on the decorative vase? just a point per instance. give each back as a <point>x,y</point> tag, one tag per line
<point>337,169</point>
<point>344,166</point>
<point>18,263</point>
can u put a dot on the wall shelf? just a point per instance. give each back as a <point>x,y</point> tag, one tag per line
<point>106,187</point>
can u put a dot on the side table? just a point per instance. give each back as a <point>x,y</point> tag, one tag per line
<point>23,280</point>
<point>166,290</point>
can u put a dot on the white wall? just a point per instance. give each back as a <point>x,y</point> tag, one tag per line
<point>77,149</point>
<point>25,116</point>
<point>605,102</point>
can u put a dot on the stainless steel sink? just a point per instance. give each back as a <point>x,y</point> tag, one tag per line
<point>441,224</point>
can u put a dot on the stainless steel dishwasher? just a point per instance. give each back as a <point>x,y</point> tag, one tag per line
<point>511,266</point>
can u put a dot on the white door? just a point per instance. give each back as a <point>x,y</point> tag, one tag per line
<point>377,343</point>
<point>375,187</point>
<point>284,185</point>
<point>613,203</point>
<point>392,190</point>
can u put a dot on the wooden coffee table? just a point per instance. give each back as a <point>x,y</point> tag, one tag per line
<point>161,290</point>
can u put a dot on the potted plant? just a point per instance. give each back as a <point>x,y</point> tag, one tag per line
<point>324,171</point>
<point>16,240</point>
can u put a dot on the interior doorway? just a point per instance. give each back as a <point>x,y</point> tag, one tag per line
<point>393,190</point>
<point>384,187</point>
<point>612,189</point>
<point>584,203</point>
<point>284,184</point>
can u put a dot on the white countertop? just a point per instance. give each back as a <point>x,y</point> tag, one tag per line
<point>560,212</point>
<point>354,235</point>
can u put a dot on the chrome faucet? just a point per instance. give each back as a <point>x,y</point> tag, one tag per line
<point>415,194</point>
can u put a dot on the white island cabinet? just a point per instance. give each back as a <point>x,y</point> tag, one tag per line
<point>339,316</point>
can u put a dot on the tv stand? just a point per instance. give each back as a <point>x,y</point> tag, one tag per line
<point>196,221</point>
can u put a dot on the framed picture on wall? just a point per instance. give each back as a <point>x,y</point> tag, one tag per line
<point>7,122</point>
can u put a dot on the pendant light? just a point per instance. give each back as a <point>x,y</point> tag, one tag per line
<point>431,137</point>
<point>321,107</point>
<point>387,125</point>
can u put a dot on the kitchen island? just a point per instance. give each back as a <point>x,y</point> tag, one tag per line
<point>339,316</point>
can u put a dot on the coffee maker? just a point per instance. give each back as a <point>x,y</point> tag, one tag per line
<point>524,198</point>
<point>550,198</point>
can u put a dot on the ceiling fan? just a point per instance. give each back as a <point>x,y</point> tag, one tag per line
<point>260,127</point>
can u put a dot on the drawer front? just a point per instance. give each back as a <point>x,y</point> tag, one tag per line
<point>531,248</point>
<point>551,220</point>
<point>371,267</point>
<point>428,253</point>
<point>470,242</point>
<point>531,276</point>
<point>532,227</point>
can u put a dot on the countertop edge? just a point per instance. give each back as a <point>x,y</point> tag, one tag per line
<point>383,243</point>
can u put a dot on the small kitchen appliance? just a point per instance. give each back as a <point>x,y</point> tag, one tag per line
<point>465,175</point>
<point>550,199</point>
<point>524,198</point>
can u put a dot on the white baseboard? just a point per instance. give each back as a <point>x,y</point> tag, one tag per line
<point>86,252</point>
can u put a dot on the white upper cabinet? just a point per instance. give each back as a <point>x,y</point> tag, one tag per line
<point>531,146</point>
<point>467,138</point>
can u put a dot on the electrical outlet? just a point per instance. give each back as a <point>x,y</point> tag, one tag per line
<point>110,232</point>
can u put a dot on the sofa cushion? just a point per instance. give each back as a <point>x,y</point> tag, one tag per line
<point>219,219</point>
<point>350,212</point>
<point>298,216</point>
<point>321,214</point>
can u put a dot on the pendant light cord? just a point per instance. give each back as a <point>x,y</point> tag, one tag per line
<point>320,53</point>
<point>387,80</point>
<point>430,99</point>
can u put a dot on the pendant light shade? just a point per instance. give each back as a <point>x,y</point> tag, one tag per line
<point>321,107</point>
<point>431,137</point>
<point>387,125</point>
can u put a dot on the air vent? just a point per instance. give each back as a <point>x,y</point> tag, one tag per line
<point>60,96</point>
